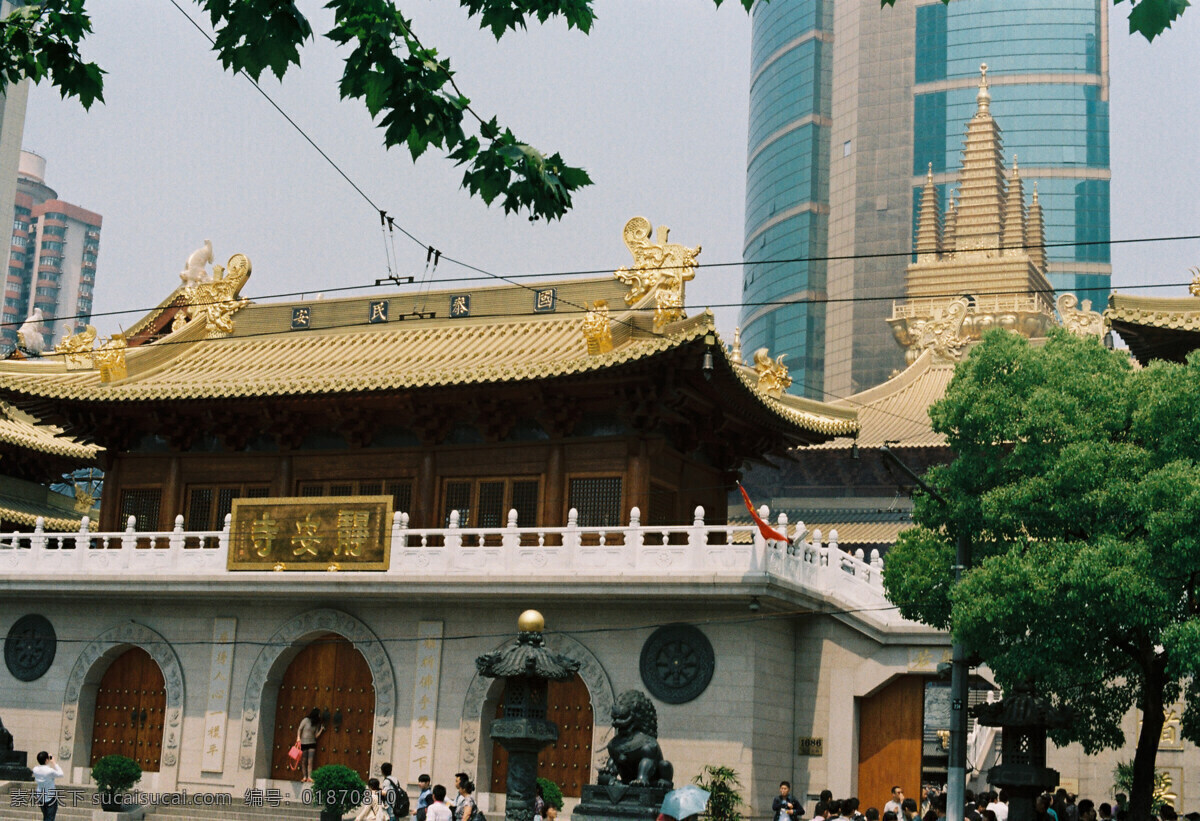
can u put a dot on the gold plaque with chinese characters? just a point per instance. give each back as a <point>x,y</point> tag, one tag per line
<point>306,533</point>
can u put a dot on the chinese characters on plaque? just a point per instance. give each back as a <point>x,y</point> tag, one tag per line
<point>460,305</point>
<point>301,319</point>
<point>212,756</point>
<point>299,533</point>
<point>1171,737</point>
<point>428,669</point>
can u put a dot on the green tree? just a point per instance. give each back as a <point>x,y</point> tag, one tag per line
<point>1078,480</point>
<point>408,88</point>
<point>1150,18</point>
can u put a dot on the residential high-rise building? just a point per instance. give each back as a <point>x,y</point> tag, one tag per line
<point>849,106</point>
<point>52,261</point>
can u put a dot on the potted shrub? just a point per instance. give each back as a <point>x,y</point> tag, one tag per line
<point>337,789</point>
<point>115,776</point>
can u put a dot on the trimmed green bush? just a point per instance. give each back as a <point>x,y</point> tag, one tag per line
<point>115,774</point>
<point>338,788</point>
<point>551,793</point>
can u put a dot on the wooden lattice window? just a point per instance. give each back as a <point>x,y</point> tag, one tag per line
<point>143,504</point>
<point>401,490</point>
<point>597,499</point>
<point>208,505</point>
<point>486,502</point>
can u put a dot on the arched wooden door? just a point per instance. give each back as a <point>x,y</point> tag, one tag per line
<point>569,762</point>
<point>331,675</point>
<point>130,705</point>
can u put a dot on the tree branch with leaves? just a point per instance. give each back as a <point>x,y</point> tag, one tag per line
<point>408,88</point>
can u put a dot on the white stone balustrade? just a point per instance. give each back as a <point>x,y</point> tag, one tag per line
<point>661,554</point>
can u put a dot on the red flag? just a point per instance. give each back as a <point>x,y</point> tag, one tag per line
<point>765,529</point>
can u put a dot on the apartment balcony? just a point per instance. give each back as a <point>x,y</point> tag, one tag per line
<point>696,558</point>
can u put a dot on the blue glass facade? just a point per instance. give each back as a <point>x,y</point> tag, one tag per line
<point>787,186</point>
<point>1046,63</point>
<point>1048,98</point>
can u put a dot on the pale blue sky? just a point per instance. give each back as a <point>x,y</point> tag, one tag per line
<point>654,104</point>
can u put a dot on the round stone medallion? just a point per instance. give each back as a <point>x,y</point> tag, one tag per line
<point>677,663</point>
<point>29,648</point>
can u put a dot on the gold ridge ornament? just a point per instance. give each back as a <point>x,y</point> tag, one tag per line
<point>773,377</point>
<point>597,329</point>
<point>109,358</point>
<point>76,349</point>
<point>216,300</point>
<point>659,271</point>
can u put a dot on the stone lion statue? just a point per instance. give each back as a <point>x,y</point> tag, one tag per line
<point>634,755</point>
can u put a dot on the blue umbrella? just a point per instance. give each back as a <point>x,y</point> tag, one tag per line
<point>685,801</point>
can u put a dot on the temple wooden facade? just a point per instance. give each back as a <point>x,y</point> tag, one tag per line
<point>530,399</point>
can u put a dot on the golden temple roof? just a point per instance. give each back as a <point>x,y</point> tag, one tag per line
<point>502,338</point>
<point>897,411</point>
<point>1173,313</point>
<point>24,431</point>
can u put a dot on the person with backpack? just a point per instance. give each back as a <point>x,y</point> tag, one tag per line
<point>395,797</point>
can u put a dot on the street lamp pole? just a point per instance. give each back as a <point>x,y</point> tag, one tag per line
<point>956,770</point>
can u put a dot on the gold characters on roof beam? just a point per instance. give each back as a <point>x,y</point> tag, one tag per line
<point>597,329</point>
<point>660,270</point>
<point>773,377</point>
<point>216,299</point>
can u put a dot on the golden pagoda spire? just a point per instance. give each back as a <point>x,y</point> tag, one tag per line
<point>1014,214</point>
<point>950,231</point>
<point>981,180</point>
<point>929,222</point>
<point>1035,233</point>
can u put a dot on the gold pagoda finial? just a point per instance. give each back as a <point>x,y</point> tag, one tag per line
<point>735,355</point>
<point>659,270</point>
<point>773,377</point>
<point>597,331</point>
<point>984,97</point>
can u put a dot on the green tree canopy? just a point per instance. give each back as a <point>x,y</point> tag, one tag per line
<point>1149,18</point>
<point>408,88</point>
<point>1077,478</point>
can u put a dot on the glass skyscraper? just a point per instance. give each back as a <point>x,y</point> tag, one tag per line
<point>850,103</point>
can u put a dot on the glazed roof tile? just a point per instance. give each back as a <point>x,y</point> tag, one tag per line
<point>897,411</point>
<point>1174,313</point>
<point>24,431</point>
<point>503,340</point>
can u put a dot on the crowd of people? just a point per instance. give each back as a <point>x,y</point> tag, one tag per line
<point>388,801</point>
<point>985,806</point>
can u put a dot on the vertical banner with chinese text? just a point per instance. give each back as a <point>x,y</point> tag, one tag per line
<point>216,710</point>
<point>427,677</point>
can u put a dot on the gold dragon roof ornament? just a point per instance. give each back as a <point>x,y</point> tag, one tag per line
<point>1194,288</point>
<point>76,350</point>
<point>660,270</point>
<point>109,358</point>
<point>943,332</point>
<point>773,377</point>
<point>216,299</point>
<point>1080,321</point>
<point>597,328</point>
